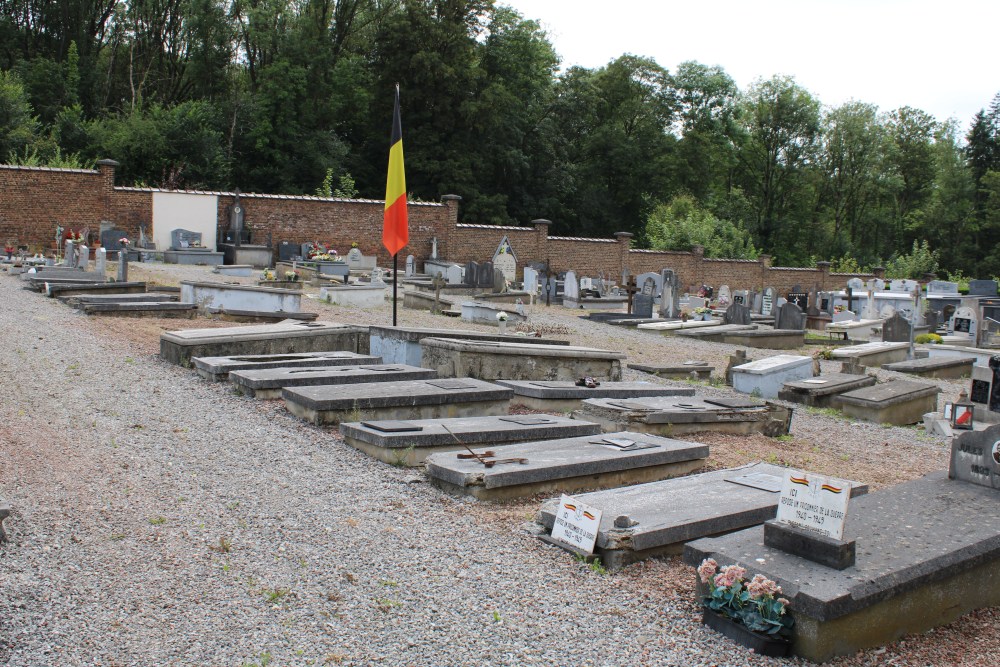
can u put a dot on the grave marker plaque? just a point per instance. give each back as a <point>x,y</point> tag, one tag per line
<point>815,503</point>
<point>576,524</point>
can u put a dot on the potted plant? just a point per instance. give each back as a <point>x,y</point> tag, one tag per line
<point>703,313</point>
<point>750,613</point>
<point>502,321</point>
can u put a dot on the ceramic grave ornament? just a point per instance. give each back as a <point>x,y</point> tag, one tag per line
<point>725,297</point>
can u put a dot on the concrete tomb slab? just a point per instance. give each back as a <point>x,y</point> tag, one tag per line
<point>410,442</point>
<point>401,345</point>
<point>657,518</point>
<point>240,297</point>
<point>679,416</point>
<point>934,367</point>
<point>218,369</point>
<point>493,360</point>
<point>287,337</point>
<point>141,297</point>
<point>411,399</point>
<point>874,353</point>
<point>768,339</point>
<point>267,383</point>
<point>669,327</point>
<point>151,308</point>
<point>713,333</point>
<point>698,369</point>
<point>564,395</point>
<point>565,465</point>
<point>766,377</point>
<point>69,289</point>
<point>898,402</point>
<point>819,392</point>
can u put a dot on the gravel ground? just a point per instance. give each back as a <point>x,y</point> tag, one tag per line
<point>159,519</point>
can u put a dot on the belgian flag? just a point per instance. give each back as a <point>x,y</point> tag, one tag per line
<point>395,230</point>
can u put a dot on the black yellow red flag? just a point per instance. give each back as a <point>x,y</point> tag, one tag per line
<point>395,230</point>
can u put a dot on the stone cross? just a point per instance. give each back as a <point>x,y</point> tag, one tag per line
<point>83,257</point>
<point>101,261</point>
<point>438,283</point>
<point>123,265</point>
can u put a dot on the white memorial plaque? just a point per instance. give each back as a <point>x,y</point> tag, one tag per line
<point>815,503</point>
<point>576,524</point>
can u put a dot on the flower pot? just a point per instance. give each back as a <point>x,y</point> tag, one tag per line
<point>768,645</point>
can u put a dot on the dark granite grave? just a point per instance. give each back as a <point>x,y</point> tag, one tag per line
<point>738,313</point>
<point>410,442</point>
<point>679,416</point>
<point>982,288</point>
<point>790,316</point>
<point>562,395</point>
<point>566,465</point>
<point>267,383</point>
<point>642,306</point>
<point>819,392</point>
<point>899,402</point>
<point>896,329</point>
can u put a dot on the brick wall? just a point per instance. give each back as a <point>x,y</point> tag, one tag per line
<point>34,200</point>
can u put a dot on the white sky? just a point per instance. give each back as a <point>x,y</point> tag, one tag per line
<point>941,56</point>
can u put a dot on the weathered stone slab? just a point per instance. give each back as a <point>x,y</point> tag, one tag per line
<point>926,554</point>
<point>481,312</point>
<point>356,296</point>
<point>899,402</point>
<point>401,345</point>
<point>240,297</point>
<point>686,370</point>
<point>668,327</point>
<point>218,369</point>
<point>766,377</point>
<point>233,315</point>
<point>141,309</point>
<point>203,257</point>
<point>768,339</point>
<point>285,337</point>
<point>567,465</point>
<point>975,457</point>
<point>662,516</point>
<point>873,354</point>
<point>414,399</point>
<point>712,333</point>
<point>141,297</point>
<point>934,367</point>
<point>862,329</point>
<point>410,442</point>
<point>679,416</point>
<point>69,289</point>
<point>267,383</point>
<point>563,395</point>
<point>492,360</point>
<point>819,392</point>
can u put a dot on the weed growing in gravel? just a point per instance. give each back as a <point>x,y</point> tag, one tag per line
<point>785,438</point>
<point>755,393</point>
<point>233,505</point>
<point>115,537</point>
<point>717,381</point>
<point>223,547</point>
<point>388,583</point>
<point>263,660</point>
<point>496,617</point>
<point>157,520</point>
<point>826,412</point>
<point>597,567</point>
<point>275,594</point>
<point>385,604</point>
<point>399,457</point>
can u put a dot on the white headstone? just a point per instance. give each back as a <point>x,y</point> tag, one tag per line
<point>767,301</point>
<point>571,288</point>
<point>530,280</point>
<point>454,275</point>
<point>83,257</point>
<point>725,297</point>
<point>844,316</point>
<point>411,266</point>
<point>815,503</point>
<point>101,261</point>
<point>856,284</point>
<point>886,311</point>
<point>507,264</point>
<point>964,322</point>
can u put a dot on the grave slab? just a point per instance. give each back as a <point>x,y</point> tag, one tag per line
<point>926,554</point>
<point>659,517</point>
<point>240,297</point>
<point>934,367</point>
<point>862,329</point>
<point>413,399</point>
<point>287,337</point>
<point>566,465</point>
<point>173,309</point>
<point>233,315</point>
<point>68,289</point>
<point>898,402</point>
<point>492,360</point>
<point>768,339</point>
<point>401,345</point>
<point>766,377</point>
<point>873,354</point>
<point>715,333</point>
<point>700,370</point>
<point>680,416</point>
<point>356,296</point>
<point>217,369</point>
<point>669,327</point>
<point>267,383</point>
<point>78,299</point>
<point>563,395</point>
<point>409,443</point>
<point>819,392</point>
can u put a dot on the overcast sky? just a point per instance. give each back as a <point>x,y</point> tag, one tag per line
<point>941,56</point>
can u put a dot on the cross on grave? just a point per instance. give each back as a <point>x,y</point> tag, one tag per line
<point>630,289</point>
<point>438,283</point>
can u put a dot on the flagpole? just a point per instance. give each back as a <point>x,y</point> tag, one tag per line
<point>395,283</point>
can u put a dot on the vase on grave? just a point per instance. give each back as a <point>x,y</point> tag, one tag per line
<point>771,646</point>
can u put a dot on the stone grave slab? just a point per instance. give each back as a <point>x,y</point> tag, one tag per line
<point>566,465</point>
<point>564,395</point>
<point>670,417</point>
<point>672,326</point>
<point>70,289</point>
<point>231,315</point>
<point>896,329</point>
<point>926,554</point>
<point>139,297</point>
<point>855,330</point>
<point>874,353</point>
<point>267,383</point>
<point>171,309</point>
<point>287,337</point>
<point>699,370</point>
<point>766,377</point>
<point>934,367</point>
<point>494,360</point>
<point>411,399</point>
<point>410,442</point>
<point>982,288</point>
<point>713,333</point>
<point>401,345</point>
<point>819,392</point>
<point>240,297</point>
<point>898,402</point>
<point>659,517</point>
<point>767,339</point>
<point>217,369</point>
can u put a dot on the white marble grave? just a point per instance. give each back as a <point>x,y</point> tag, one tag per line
<point>766,377</point>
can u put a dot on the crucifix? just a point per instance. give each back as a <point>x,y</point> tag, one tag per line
<point>631,288</point>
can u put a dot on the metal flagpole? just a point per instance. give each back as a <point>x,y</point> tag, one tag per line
<point>395,285</point>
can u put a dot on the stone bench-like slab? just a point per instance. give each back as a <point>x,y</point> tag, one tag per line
<point>926,554</point>
<point>410,442</point>
<point>566,465</point>
<point>267,383</point>
<point>414,399</point>
<point>494,360</point>
<point>659,517</point>
<point>173,309</point>
<point>563,395</point>
<point>715,333</point>
<point>672,326</point>
<point>899,402</point>
<point>69,289</point>
<point>873,354</point>
<point>697,369</point>
<point>934,367</point>
<point>680,416</point>
<point>286,337</point>
<point>217,369</point>
<point>401,345</point>
<point>766,377</point>
<point>855,329</point>
<point>240,297</point>
<point>819,392</point>
<point>767,339</point>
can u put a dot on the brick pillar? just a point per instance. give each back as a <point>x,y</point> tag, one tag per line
<point>698,279</point>
<point>824,275</point>
<point>765,269</point>
<point>444,230</point>
<point>541,250</point>
<point>624,245</point>
<point>879,272</point>
<point>107,171</point>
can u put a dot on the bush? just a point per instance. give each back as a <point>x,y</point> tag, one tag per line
<point>931,338</point>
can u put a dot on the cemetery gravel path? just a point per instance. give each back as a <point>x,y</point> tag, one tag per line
<point>161,520</point>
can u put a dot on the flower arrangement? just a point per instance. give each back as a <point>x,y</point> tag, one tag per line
<point>502,316</point>
<point>292,275</point>
<point>756,604</point>
<point>839,309</point>
<point>124,241</point>
<point>323,253</point>
<point>75,237</point>
<point>268,274</point>
<point>702,310</point>
<point>354,244</point>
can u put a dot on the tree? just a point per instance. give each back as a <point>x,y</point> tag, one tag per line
<point>682,223</point>
<point>17,124</point>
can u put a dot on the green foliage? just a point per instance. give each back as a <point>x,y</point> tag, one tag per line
<point>17,125</point>
<point>931,338</point>
<point>755,604</point>
<point>920,260</point>
<point>683,223</point>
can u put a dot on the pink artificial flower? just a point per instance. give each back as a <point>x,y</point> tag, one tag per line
<point>707,570</point>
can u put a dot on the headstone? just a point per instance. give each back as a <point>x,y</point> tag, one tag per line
<point>123,267</point>
<point>101,261</point>
<point>897,285</point>
<point>799,298</point>
<point>305,249</point>
<point>942,287</point>
<point>982,288</point>
<point>485,275</point>
<point>288,251</point>
<point>411,266</point>
<point>856,284</point>
<point>237,233</point>
<point>69,254</point>
<point>896,329</point>
<point>183,239</point>
<point>825,302</point>
<point>83,257</point>
<point>499,280</point>
<point>725,297</point>
<point>740,297</point>
<point>697,302</point>
<point>737,313</point>
<point>790,316</point>
<point>454,275</point>
<point>111,239</point>
<point>571,288</point>
<point>507,265</point>
<point>376,278</point>
<point>767,301</point>
<point>844,316</point>
<point>964,322</point>
<point>438,283</point>
<point>550,288</point>
<point>640,280</point>
<point>975,457</point>
<point>530,284</point>
<point>472,273</point>
<point>434,247</point>
<point>642,305</point>
<point>504,248</point>
<point>670,301</point>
